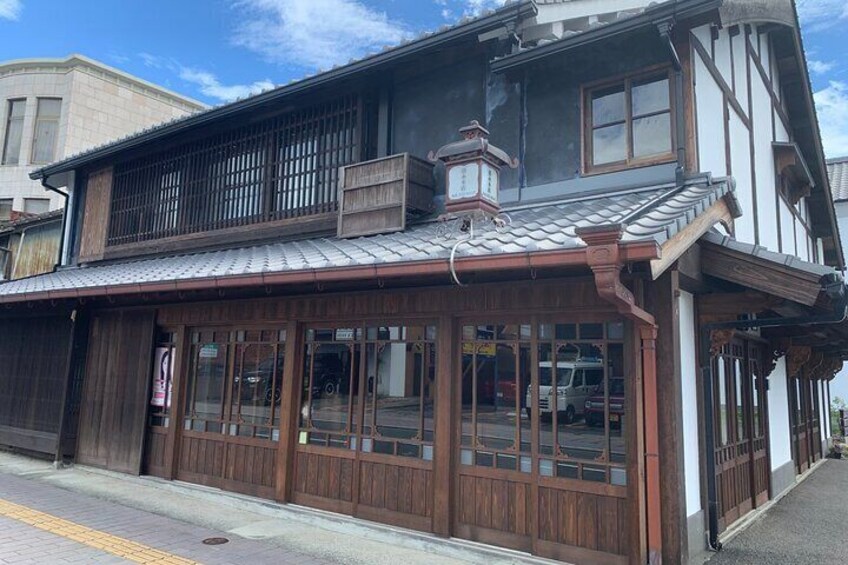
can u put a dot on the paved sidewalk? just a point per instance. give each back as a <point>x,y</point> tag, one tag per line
<point>84,515</point>
<point>807,526</point>
<point>44,524</point>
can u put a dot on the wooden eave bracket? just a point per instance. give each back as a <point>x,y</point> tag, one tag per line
<point>724,211</point>
<point>606,259</point>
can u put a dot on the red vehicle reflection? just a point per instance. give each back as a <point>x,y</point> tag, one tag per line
<point>594,407</point>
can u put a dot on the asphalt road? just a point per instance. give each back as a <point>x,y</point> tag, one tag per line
<point>807,527</point>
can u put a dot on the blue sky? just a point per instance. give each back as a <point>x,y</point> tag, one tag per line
<point>218,50</point>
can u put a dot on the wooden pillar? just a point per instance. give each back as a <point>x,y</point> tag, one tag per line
<point>648,337</point>
<point>661,300</point>
<point>446,390</point>
<point>290,393</point>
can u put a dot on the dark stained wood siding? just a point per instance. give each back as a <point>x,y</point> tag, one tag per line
<point>248,466</point>
<point>115,390</point>
<point>98,194</point>
<point>33,370</point>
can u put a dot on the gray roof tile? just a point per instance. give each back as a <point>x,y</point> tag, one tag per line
<point>651,213</point>
<point>837,172</point>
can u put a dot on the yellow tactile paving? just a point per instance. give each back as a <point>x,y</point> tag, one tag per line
<point>129,550</point>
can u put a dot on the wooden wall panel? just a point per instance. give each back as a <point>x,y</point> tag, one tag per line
<point>495,504</point>
<point>113,412</point>
<point>154,453</point>
<point>98,197</point>
<point>532,296</point>
<point>230,463</point>
<point>33,368</point>
<point>395,488</point>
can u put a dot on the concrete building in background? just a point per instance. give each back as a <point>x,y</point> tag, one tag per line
<point>53,108</point>
<point>837,172</point>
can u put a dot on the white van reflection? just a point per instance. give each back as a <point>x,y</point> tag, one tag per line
<point>576,381</point>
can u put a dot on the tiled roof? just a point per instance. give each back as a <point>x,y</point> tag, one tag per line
<point>652,213</point>
<point>837,172</point>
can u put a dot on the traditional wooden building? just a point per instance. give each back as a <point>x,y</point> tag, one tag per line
<point>597,327</point>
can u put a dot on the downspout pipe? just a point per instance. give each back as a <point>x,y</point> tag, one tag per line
<point>65,195</point>
<point>604,256</point>
<point>665,29</point>
<point>834,287</point>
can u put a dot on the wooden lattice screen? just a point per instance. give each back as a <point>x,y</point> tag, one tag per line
<point>283,167</point>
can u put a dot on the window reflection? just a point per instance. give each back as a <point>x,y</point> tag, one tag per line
<point>371,389</point>
<point>496,371</point>
<point>235,382</point>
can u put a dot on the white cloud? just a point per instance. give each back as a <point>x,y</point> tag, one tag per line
<point>10,9</point>
<point>477,7</point>
<point>212,87</point>
<point>316,34</point>
<point>820,67</point>
<point>822,14</point>
<point>206,82</point>
<point>832,109</point>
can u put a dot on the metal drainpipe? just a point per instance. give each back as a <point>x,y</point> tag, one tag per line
<point>834,287</point>
<point>679,117</point>
<point>64,218</point>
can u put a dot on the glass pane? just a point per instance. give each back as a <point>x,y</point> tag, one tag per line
<point>513,394</point>
<point>617,405</point>
<point>608,106</point>
<point>49,107</point>
<point>256,381</point>
<point>14,132</point>
<point>758,386</point>
<point>334,385</point>
<point>591,331</point>
<point>44,140</point>
<point>496,418</point>
<point>578,439</point>
<point>17,108</point>
<point>609,144</point>
<point>36,205</point>
<point>394,373</point>
<point>650,97</point>
<point>722,400</point>
<point>739,376</point>
<point>207,388</point>
<point>652,135</point>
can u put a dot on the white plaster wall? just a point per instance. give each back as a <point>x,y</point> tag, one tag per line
<point>709,107</point>
<point>740,69</point>
<point>689,394</point>
<point>778,404</point>
<point>740,164</point>
<point>825,412</point>
<point>787,229</point>
<point>764,162</point>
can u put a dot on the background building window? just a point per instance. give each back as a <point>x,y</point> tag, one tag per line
<point>5,209</point>
<point>36,205</point>
<point>46,129</point>
<point>629,122</point>
<point>14,131</point>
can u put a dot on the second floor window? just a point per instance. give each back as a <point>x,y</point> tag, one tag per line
<point>281,167</point>
<point>46,130</point>
<point>14,131</point>
<point>628,123</point>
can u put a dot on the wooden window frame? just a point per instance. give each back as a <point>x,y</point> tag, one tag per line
<point>230,414</point>
<point>355,418</point>
<point>534,341</point>
<point>587,127</point>
<point>39,118</point>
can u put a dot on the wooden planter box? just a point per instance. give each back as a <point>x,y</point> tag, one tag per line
<point>377,196</point>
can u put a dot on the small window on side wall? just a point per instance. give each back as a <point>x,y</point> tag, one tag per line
<point>628,123</point>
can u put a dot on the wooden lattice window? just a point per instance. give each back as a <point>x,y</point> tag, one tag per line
<point>282,167</point>
<point>371,389</point>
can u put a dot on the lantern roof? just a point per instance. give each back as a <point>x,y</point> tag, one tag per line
<point>474,142</point>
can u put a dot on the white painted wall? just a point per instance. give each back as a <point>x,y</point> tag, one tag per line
<point>731,60</point>
<point>689,394</point>
<point>778,403</point>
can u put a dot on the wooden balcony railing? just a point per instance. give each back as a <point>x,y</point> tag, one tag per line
<point>283,167</point>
